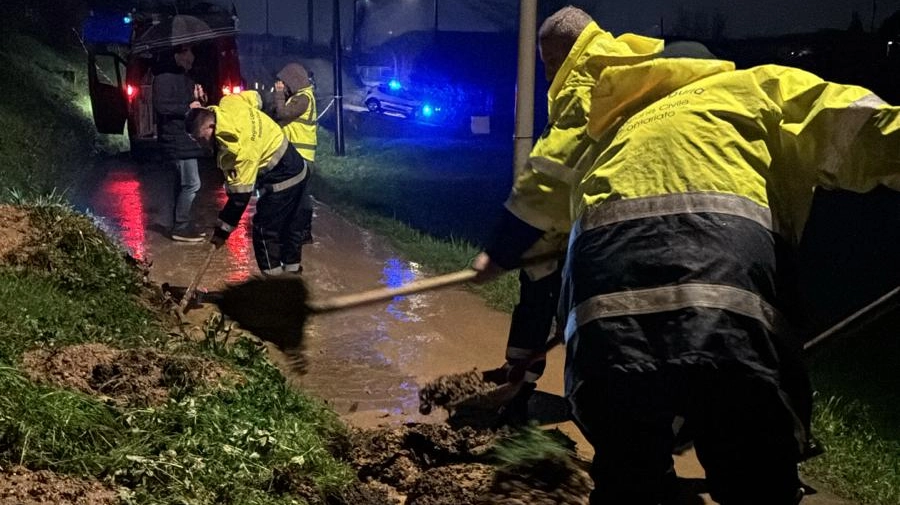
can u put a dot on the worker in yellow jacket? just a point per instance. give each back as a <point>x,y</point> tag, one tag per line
<point>572,45</point>
<point>256,158</point>
<point>295,111</point>
<point>684,210</point>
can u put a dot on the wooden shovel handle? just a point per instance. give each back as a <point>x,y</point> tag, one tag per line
<point>186,299</point>
<point>851,324</point>
<point>382,294</point>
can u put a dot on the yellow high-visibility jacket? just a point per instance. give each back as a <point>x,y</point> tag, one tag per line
<point>301,132</point>
<point>249,141</point>
<point>541,192</point>
<point>684,135</point>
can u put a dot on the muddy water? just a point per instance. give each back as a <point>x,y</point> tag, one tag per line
<point>367,363</point>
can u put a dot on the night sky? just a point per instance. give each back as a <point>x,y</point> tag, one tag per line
<point>743,18</point>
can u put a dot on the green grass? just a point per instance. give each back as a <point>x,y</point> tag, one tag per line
<point>49,143</point>
<point>859,463</point>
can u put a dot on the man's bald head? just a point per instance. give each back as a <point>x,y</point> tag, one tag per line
<point>558,34</point>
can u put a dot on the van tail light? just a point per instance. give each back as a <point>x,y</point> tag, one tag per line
<point>130,92</point>
<point>228,89</point>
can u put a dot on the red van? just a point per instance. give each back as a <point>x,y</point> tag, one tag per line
<point>124,48</point>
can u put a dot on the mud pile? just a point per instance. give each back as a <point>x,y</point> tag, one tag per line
<point>20,486</point>
<point>135,377</point>
<point>435,464</point>
<point>449,390</point>
<point>15,232</point>
<point>296,481</point>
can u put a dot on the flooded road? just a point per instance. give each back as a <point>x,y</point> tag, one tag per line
<point>367,363</point>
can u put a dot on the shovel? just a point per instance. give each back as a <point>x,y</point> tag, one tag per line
<point>192,287</point>
<point>275,309</point>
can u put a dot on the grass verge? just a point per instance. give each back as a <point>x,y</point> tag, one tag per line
<point>69,284</point>
<point>202,446</point>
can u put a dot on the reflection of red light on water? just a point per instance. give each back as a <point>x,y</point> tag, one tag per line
<point>120,200</point>
<point>239,246</point>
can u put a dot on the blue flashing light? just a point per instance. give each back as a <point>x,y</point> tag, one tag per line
<point>427,110</point>
<point>127,20</point>
<point>394,84</point>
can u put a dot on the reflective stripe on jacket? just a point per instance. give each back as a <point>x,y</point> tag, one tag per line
<point>249,142</point>
<point>541,192</point>
<point>301,132</point>
<point>683,135</point>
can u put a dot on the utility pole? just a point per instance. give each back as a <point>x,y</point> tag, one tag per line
<point>309,22</point>
<point>338,82</point>
<point>435,16</point>
<point>267,17</point>
<point>874,8</point>
<point>524,129</point>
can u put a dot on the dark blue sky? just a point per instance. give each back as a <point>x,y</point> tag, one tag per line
<point>743,18</point>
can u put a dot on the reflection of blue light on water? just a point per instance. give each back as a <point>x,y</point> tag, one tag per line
<point>396,273</point>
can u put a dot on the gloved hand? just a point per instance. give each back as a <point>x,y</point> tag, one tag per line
<point>486,268</point>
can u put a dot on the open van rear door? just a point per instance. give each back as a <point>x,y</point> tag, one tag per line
<point>109,101</point>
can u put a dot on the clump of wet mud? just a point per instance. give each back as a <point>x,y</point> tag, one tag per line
<point>294,480</point>
<point>436,464</point>
<point>447,390</point>
<point>451,485</point>
<point>136,377</point>
<point>552,481</point>
<point>15,232</point>
<point>398,456</point>
<point>21,486</point>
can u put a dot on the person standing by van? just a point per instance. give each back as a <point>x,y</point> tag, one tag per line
<point>174,93</point>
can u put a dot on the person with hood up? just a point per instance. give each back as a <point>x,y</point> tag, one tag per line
<point>174,92</point>
<point>294,109</point>
<point>569,40</point>
<point>684,211</point>
<point>255,156</point>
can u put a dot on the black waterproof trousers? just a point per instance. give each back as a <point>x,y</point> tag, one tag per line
<point>680,314</point>
<point>278,222</point>
<point>532,321</point>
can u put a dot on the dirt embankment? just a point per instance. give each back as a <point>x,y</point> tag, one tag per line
<point>20,486</point>
<point>135,377</point>
<point>435,464</point>
<point>15,232</point>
